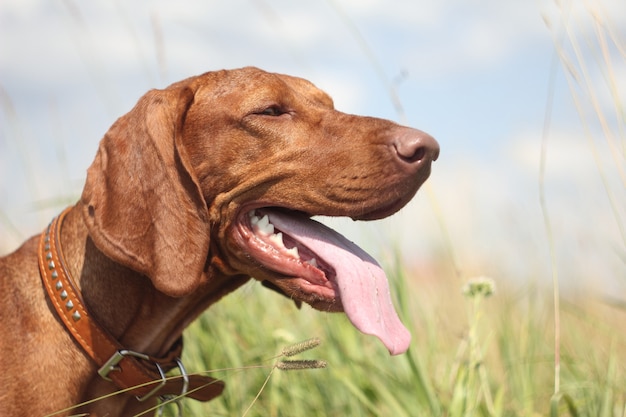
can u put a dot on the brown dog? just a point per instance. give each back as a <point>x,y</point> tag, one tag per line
<point>198,188</point>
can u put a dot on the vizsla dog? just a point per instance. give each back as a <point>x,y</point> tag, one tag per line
<point>200,187</point>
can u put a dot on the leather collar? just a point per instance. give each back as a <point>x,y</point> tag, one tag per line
<point>133,372</point>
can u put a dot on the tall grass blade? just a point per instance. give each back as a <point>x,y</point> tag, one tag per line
<point>555,404</point>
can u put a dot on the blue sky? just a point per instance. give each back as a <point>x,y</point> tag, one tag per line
<point>474,74</point>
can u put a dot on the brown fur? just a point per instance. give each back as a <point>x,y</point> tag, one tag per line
<point>150,242</point>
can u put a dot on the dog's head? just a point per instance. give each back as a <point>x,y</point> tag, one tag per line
<point>221,174</point>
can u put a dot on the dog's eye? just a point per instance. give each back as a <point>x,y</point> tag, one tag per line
<point>272,111</point>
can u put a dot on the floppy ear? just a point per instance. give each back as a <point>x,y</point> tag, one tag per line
<point>141,202</point>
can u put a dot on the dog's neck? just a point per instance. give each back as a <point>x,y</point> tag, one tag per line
<point>139,317</point>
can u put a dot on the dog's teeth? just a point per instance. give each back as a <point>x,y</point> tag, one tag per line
<point>277,239</point>
<point>265,226</point>
<point>294,252</point>
<point>254,219</point>
<point>263,221</point>
<point>312,262</point>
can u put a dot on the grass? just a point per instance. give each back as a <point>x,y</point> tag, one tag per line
<point>473,354</point>
<point>470,356</point>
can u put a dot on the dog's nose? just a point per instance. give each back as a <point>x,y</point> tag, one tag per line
<point>414,147</point>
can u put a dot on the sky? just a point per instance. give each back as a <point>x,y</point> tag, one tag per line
<point>495,82</point>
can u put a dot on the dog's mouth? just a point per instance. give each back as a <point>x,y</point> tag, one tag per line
<point>313,263</point>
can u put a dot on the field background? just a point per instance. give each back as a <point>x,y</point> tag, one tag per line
<point>526,100</point>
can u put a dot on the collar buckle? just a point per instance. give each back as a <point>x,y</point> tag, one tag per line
<point>111,366</point>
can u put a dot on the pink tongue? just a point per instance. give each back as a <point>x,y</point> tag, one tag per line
<point>362,283</point>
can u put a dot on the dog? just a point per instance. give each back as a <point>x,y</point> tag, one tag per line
<point>201,186</point>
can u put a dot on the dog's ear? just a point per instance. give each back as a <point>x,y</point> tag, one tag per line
<point>142,202</point>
